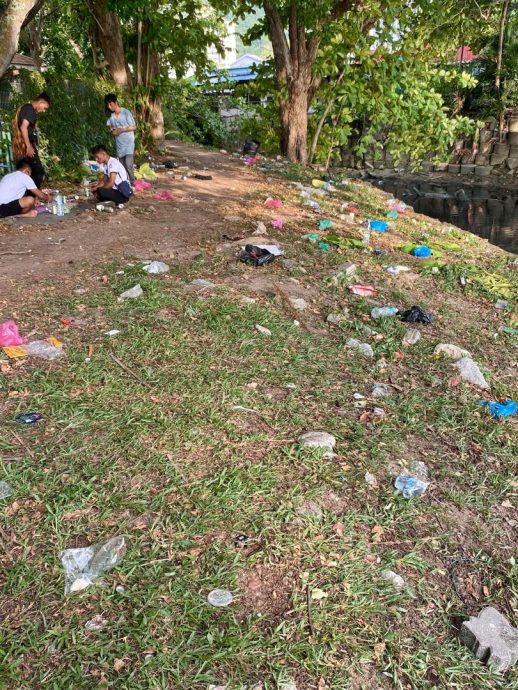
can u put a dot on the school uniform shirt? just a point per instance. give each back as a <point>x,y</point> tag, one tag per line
<point>115,166</point>
<point>124,142</point>
<point>14,186</point>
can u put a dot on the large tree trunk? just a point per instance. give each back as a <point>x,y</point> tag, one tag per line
<point>109,38</point>
<point>11,22</point>
<point>298,117</point>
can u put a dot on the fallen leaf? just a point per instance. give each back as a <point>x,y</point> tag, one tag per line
<point>12,509</point>
<point>454,381</point>
<point>506,504</point>
<point>379,649</point>
<point>322,684</point>
<point>338,529</point>
<point>118,664</point>
<point>377,532</point>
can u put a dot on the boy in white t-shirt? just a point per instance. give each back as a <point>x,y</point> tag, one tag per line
<point>115,186</point>
<point>18,192</point>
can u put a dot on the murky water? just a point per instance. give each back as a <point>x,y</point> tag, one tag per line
<point>489,212</point>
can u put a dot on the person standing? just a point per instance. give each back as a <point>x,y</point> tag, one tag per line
<point>114,186</point>
<point>122,125</point>
<point>25,142</point>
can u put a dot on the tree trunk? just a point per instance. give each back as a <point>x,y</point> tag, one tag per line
<point>12,19</point>
<point>109,37</point>
<point>298,123</point>
<point>501,37</point>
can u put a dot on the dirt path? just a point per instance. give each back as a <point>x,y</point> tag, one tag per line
<point>33,253</point>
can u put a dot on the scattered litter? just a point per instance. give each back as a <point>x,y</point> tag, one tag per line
<point>491,638</point>
<point>273,203</point>
<point>311,236</point>
<point>396,270</point>
<point>413,482</point>
<point>111,333</point>
<point>500,410</point>
<point>378,225</point>
<point>104,208</point>
<point>395,580</point>
<point>200,176</point>
<point>248,300</point>
<point>262,329</point>
<point>45,349</point>
<point>422,252</point>
<point>155,267</point>
<point>5,490</point>
<point>241,541</point>
<point>416,315</point>
<point>241,408</point>
<point>371,480</point>
<point>501,304</point>
<point>84,566</point>
<point>336,319</point>
<point>256,255</point>
<point>380,390</point>
<point>29,417</point>
<point>312,204</point>
<point>261,228</point>
<point>289,264</point>
<point>364,348</point>
<point>287,685</point>
<point>363,290</point>
<point>392,214</point>
<point>141,185</point>
<point>146,172</point>
<point>411,337</point>
<point>383,312</point>
<point>324,246</point>
<point>470,372</point>
<point>96,623</point>
<point>298,303</point>
<point>450,351</point>
<point>132,293</point>
<point>318,439</point>
<point>277,223</point>
<point>396,205</point>
<point>202,283</point>
<point>509,330</point>
<point>220,598</point>
<point>120,589</point>
<point>164,195</point>
<point>325,224</point>
<point>10,335</point>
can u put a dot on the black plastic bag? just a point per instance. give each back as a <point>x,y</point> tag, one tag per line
<point>256,256</point>
<point>416,315</point>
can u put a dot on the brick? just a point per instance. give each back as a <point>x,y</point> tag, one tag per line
<point>492,639</point>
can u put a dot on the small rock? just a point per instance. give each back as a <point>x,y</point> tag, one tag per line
<point>96,623</point>
<point>364,348</point>
<point>492,639</point>
<point>411,337</point>
<point>155,267</point>
<point>287,685</point>
<point>381,364</point>
<point>233,219</point>
<point>289,264</point>
<point>380,390</point>
<point>202,283</point>
<point>262,329</point>
<point>298,303</point>
<point>5,490</point>
<point>501,304</point>
<point>395,580</point>
<point>318,439</point>
<point>336,319</point>
<point>133,293</point>
<point>120,589</point>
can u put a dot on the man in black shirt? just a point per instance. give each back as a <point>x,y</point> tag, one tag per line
<point>26,141</point>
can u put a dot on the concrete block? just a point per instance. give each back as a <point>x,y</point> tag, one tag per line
<point>492,639</point>
<point>498,158</point>
<point>513,138</point>
<point>467,169</point>
<point>512,163</point>
<point>454,168</point>
<point>482,159</point>
<point>501,149</point>
<point>483,171</point>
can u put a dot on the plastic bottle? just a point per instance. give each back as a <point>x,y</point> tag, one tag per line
<point>66,207</point>
<point>382,312</point>
<point>366,236</point>
<point>106,209</point>
<point>59,205</point>
<point>86,188</point>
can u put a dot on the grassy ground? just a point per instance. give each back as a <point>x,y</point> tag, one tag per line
<point>163,458</point>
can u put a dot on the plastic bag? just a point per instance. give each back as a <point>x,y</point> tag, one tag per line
<point>141,185</point>
<point>422,252</point>
<point>470,372</point>
<point>5,490</point>
<point>44,350</point>
<point>155,267</point>
<point>416,315</point>
<point>83,566</point>
<point>132,293</point>
<point>452,351</point>
<point>413,482</point>
<point>364,348</point>
<point>363,290</point>
<point>273,203</point>
<point>9,334</point>
<point>146,172</point>
<point>378,225</point>
<point>256,256</point>
<point>277,223</point>
<point>163,195</point>
<point>500,410</point>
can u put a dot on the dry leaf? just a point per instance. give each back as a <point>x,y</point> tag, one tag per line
<point>506,504</point>
<point>377,532</point>
<point>338,529</point>
<point>118,664</point>
<point>12,509</point>
<point>379,649</point>
<point>322,684</point>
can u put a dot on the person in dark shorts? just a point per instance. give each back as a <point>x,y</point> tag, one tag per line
<point>25,142</point>
<point>115,185</point>
<point>18,192</point>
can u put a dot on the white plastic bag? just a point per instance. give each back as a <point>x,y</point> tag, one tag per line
<point>83,566</point>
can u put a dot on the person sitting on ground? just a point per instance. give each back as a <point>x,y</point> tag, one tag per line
<point>25,135</point>
<point>14,188</point>
<point>122,125</point>
<point>115,186</point>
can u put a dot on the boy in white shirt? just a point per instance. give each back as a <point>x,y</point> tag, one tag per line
<point>18,192</point>
<point>115,186</point>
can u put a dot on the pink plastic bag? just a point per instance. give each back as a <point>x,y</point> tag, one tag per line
<point>277,223</point>
<point>163,195</point>
<point>363,290</point>
<point>141,185</point>
<point>9,335</point>
<point>273,203</point>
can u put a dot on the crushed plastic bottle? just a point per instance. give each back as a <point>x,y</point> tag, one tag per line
<point>132,293</point>
<point>411,337</point>
<point>470,371</point>
<point>84,566</point>
<point>383,312</point>
<point>364,348</point>
<point>44,350</point>
<point>5,490</point>
<point>413,482</point>
<point>155,267</point>
<point>395,580</point>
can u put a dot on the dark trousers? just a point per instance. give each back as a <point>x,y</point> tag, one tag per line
<point>104,194</point>
<point>38,173</point>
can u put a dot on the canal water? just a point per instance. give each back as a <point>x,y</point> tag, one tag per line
<point>487,211</point>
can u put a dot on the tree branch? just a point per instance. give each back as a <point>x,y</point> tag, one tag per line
<point>281,49</point>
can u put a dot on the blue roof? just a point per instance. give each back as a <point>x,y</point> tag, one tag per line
<point>233,74</point>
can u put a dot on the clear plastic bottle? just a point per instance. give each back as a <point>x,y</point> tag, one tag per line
<point>366,237</point>
<point>382,312</point>
<point>59,205</point>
